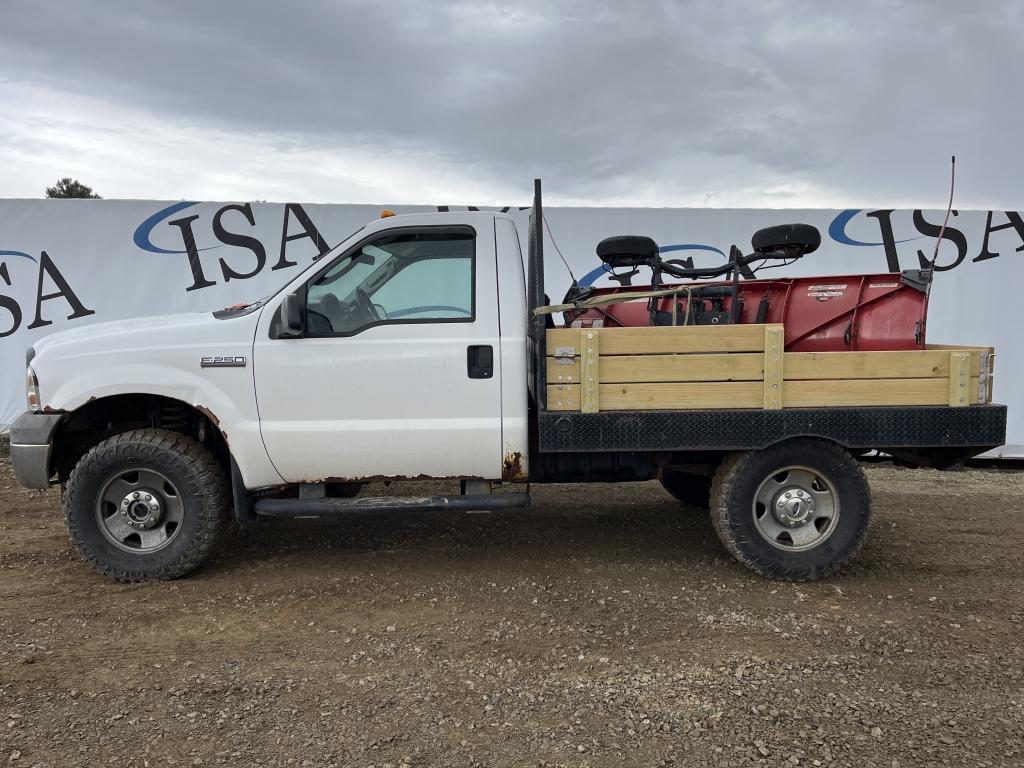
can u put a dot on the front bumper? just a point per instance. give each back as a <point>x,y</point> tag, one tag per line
<point>31,442</point>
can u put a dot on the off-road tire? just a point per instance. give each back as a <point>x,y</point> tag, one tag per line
<point>200,480</point>
<point>732,500</point>
<point>693,490</point>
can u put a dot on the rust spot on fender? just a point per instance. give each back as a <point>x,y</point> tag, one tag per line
<point>512,467</point>
<point>209,414</point>
<point>214,420</point>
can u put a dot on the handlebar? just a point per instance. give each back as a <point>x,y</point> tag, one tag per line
<point>671,267</point>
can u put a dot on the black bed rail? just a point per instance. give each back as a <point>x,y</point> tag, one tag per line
<point>535,298</point>
<point>975,429</point>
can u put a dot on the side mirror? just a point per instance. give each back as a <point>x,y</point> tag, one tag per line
<point>289,317</point>
<point>786,240</point>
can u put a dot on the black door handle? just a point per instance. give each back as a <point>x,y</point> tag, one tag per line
<point>480,361</point>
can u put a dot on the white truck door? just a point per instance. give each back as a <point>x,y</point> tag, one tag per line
<point>397,373</point>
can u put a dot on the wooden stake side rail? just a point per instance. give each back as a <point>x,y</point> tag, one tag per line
<point>744,366</point>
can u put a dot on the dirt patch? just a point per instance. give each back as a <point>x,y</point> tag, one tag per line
<point>603,626</point>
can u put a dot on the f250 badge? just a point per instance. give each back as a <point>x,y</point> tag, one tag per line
<point>219,361</point>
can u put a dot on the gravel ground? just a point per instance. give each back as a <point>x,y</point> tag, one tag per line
<point>604,626</point>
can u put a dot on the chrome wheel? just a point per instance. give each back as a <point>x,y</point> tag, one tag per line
<point>795,509</point>
<point>139,510</point>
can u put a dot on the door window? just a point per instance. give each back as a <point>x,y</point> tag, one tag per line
<point>411,277</point>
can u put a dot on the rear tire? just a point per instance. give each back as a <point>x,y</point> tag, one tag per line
<point>146,505</point>
<point>796,511</point>
<point>694,490</point>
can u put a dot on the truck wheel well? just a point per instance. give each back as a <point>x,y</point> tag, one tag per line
<point>99,419</point>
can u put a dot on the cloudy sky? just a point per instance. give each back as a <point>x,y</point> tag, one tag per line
<point>779,103</point>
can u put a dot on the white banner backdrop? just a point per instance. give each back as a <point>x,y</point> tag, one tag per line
<point>71,262</point>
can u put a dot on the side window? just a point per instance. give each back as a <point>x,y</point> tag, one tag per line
<point>395,278</point>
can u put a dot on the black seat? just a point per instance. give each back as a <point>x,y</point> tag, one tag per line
<point>628,251</point>
<point>801,239</point>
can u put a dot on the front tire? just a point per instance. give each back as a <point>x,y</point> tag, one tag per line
<point>146,505</point>
<point>796,511</point>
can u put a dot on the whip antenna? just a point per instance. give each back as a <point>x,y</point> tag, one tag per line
<point>942,231</point>
<point>949,209</point>
<point>567,267</point>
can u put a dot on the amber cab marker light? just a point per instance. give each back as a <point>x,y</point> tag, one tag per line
<point>386,213</point>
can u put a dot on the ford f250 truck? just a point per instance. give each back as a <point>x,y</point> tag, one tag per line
<point>418,348</point>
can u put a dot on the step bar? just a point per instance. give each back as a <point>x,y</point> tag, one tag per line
<point>331,507</point>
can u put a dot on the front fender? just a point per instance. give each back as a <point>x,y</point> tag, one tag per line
<point>167,362</point>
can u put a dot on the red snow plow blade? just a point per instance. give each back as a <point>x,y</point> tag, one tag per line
<point>821,314</point>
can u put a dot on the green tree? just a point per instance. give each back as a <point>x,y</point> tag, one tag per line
<point>68,187</point>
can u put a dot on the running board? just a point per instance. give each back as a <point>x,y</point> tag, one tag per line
<point>329,507</point>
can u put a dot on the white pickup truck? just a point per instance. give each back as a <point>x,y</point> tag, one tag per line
<point>411,351</point>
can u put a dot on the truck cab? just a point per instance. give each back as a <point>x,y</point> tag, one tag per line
<point>409,357</point>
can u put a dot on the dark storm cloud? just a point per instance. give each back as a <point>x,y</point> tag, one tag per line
<point>863,100</point>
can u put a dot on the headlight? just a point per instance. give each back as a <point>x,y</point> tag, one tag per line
<point>32,389</point>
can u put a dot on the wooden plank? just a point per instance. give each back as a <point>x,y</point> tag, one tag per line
<point>681,396</point>
<point>590,373</point>
<point>959,378</point>
<point>618,369</point>
<point>832,392</point>
<point>563,397</point>
<point>958,348</point>
<point>749,394</point>
<point>772,388</point>
<point>910,364</point>
<point>666,339</point>
<point>561,370</point>
<point>743,366</point>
